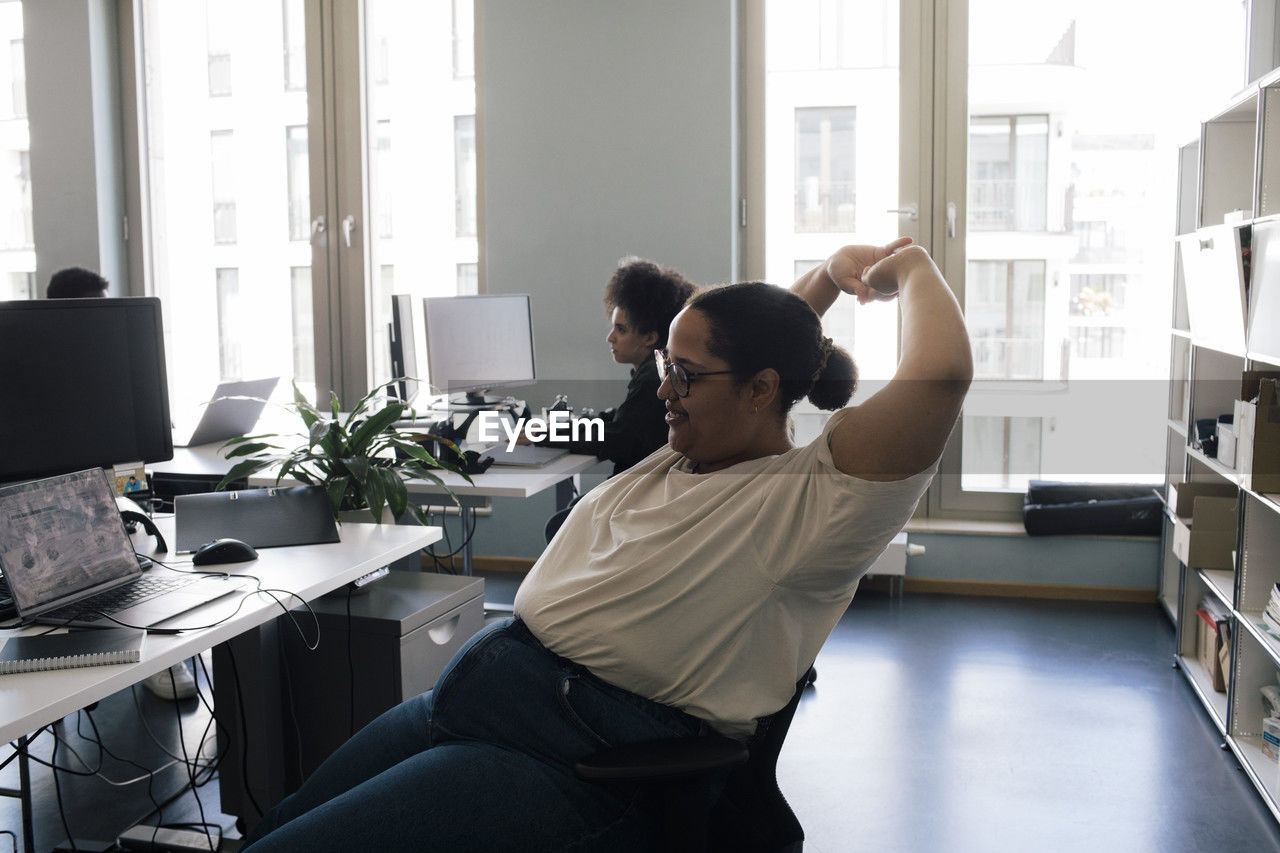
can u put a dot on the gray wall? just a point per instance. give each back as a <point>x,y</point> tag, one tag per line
<point>73,108</point>
<point>606,129</point>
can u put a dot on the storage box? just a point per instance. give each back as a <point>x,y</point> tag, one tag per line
<point>1204,526</point>
<point>1227,444</point>
<point>1208,646</point>
<point>1213,268</point>
<point>1258,431</point>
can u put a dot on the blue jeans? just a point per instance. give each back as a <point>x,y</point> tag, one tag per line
<point>483,762</point>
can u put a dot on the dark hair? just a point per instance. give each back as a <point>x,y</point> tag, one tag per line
<point>756,326</point>
<point>650,295</point>
<point>76,282</point>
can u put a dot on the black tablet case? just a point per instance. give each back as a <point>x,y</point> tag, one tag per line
<point>264,518</point>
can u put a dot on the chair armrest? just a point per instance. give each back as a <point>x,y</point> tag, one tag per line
<point>662,760</point>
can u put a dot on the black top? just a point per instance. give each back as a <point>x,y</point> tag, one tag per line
<point>639,425</point>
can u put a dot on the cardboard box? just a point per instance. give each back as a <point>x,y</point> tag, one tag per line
<point>1204,527</point>
<point>1208,646</point>
<point>1257,428</point>
<point>1227,444</point>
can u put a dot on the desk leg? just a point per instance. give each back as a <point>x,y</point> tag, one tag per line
<point>24,795</point>
<point>467,513</point>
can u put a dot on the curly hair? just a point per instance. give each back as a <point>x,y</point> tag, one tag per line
<point>756,326</point>
<point>649,295</point>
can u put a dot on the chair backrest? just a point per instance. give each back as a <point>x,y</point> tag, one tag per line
<point>752,814</point>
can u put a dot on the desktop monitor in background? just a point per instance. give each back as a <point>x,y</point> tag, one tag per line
<point>83,385</point>
<point>404,346</point>
<point>475,343</point>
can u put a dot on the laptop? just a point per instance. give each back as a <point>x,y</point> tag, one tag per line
<point>523,455</point>
<point>67,559</point>
<point>225,418</point>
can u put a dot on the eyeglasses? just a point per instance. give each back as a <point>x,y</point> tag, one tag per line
<point>680,376</point>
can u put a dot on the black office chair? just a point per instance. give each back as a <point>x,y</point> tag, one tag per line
<point>750,815</point>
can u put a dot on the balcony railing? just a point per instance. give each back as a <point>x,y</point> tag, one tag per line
<point>1008,358</point>
<point>1006,205</point>
<point>825,207</point>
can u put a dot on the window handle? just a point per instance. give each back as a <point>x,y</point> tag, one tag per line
<point>910,211</point>
<point>348,225</point>
<point>317,227</point>
<point>951,219</point>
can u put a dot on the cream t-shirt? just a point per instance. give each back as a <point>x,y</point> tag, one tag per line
<point>712,593</point>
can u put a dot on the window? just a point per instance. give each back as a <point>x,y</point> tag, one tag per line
<point>1004,309</point>
<point>19,285</point>
<point>825,169</point>
<point>222,161</point>
<point>464,39</point>
<point>1097,341</point>
<point>1058,242</point>
<point>303,325</point>
<point>299,182</point>
<point>227,286</point>
<point>384,166</point>
<point>464,158</point>
<point>468,279</point>
<point>1008,172</point>
<point>18,78</point>
<point>220,20</point>
<point>295,54</point>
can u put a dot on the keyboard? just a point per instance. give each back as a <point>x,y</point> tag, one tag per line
<point>121,598</point>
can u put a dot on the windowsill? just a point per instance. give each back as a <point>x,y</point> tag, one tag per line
<point>970,527</point>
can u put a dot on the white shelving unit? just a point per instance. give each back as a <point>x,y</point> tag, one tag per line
<point>1226,320</point>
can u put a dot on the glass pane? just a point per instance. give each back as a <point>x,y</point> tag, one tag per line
<point>831,159</point>
<point>422,169</point>
<point>228,197</point>
<point>17,237</point>
<point>1071,177</point>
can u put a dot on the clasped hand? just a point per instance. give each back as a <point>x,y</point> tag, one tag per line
<point>871,273</point>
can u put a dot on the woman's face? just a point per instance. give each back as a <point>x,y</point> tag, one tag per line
<point>628,345</point>
<point>715,425</point>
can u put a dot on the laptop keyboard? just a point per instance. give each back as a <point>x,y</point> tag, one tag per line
<point>121,598</point>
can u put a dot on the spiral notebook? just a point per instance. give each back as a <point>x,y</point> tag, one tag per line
<point>67,651</point>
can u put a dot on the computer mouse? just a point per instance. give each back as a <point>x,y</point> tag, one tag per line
<point>223,551</point>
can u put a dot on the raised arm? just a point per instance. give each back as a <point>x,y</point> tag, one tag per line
<point>903,428</point>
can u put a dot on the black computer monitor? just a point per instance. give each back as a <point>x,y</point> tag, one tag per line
<point>83,384</point>
<point>475,343</point>
<point>404,346</point>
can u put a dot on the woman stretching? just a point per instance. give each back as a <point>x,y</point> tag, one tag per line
<point>686,594</point>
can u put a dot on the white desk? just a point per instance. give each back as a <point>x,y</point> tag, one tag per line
<point>498,482</point>
<point>32,700</point>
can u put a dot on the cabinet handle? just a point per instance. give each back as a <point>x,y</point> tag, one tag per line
<point>1206,244</point>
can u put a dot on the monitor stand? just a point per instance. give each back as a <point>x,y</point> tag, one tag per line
<point>477,398</point>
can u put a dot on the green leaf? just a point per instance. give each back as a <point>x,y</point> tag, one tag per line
<point>306,411</point>
<point>248,449</point>
<point>241,470</point>
<point>375,494</point>
<point>419,514</point>
<point>374,426</point>
<point>358,466</point>
<point>397,494</point>
<point>334,405</point>
<point>243,438</point>
<point>336,489</point>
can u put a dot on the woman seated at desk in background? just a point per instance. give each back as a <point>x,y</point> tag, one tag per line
<point>685,595</point>
<point>642,299</point>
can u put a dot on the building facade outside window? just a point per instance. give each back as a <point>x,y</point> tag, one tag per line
<point>825,169</point>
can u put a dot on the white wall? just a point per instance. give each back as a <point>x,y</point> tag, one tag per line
<point>73,108</point>
<point>606,129</point>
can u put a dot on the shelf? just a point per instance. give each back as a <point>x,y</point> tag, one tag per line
<point>1185,334</point>
<point>1252,619</point>
<point>1169,610</point>
<point>1264,357</point>
<point>1213,701</point>
<point>1262,770</point>
<point>1222,583</point>
<point>1215,466</point>
<point>1178,426</point>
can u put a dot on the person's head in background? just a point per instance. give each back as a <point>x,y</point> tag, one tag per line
<point>642,298</point>
<point>76,283</point>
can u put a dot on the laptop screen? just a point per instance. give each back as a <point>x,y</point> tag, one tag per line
<point>62,538</point>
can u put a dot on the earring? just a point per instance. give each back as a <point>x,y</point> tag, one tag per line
<point>755,410</point>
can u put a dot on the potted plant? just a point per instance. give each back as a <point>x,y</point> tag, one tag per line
<point>361,460</point>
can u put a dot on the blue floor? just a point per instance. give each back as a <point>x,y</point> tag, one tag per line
<point>937,723</point>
